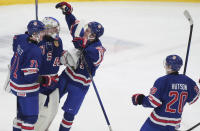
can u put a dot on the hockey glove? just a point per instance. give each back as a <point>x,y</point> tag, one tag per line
<point>47,80</point>
<point>79,42</point>
<point>65,7</point>
<point>137,99</point>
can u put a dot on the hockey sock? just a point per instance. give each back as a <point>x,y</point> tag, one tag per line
<point>27,127</point>
<point>66,122</point>
<point>17,124</point>
<point>29,122</point>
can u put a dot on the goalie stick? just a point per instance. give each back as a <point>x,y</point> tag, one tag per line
<point>189,18</point>
<point>96,91</point>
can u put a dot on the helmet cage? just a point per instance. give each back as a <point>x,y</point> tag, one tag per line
<point>52,27</point>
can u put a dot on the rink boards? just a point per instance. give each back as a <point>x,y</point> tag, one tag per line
<point>12,2</point>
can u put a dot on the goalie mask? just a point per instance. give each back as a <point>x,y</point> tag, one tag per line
<point>52,26</point>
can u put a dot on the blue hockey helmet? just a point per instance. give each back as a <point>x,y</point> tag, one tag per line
<point>174,62</point>
<point>35,26</point>
<point>96,28</point>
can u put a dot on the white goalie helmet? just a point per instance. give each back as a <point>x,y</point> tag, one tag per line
<point>52,26</point>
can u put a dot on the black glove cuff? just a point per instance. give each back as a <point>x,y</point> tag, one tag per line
<point>41,80</point>
<point>140,99</point>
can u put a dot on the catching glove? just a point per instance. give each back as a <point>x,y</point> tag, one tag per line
<point>65,7</point>
<point>137,99</point>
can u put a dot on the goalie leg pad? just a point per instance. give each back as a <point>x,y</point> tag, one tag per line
<point>47,114</point>
<point>7,82</point>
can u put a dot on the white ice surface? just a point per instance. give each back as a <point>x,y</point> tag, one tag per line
<point>138,36</point>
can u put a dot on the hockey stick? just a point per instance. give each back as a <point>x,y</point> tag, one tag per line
<point>96,91</point>
<point>191,128</point>
<point>189,18</point>
<point>36,9</point>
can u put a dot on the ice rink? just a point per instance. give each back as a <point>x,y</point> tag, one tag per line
<point>138,36</point>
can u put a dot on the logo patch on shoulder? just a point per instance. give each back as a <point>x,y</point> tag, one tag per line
<point>153,90</point>
<point>196,89</point>
<point>35,23</point>
<point>56,43</point>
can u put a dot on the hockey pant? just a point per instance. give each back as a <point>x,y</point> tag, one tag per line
<point>73,102</point>
<point>27,113</point>
<point>150,126</point>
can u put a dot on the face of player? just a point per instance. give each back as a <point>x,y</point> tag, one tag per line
<point>168,69</point>
<point>53,32</point>
<point>38,36</point>
<point>88,33</point>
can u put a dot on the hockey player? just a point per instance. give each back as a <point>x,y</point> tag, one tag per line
<point>24,72</point>
<point>75,80</point>
<point>168,96</point>
<point>52,49</point>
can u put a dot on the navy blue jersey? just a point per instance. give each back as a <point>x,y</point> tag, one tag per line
<point>51,52</point>
<point>25,66</point>
<point>93,54</point>
<point>168,96</point>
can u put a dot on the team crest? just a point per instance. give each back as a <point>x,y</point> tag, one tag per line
<point>35,23</point>
<point>99,26</point>
<point>153,90</point>
<point>174,57</point>
<point>56,43</point>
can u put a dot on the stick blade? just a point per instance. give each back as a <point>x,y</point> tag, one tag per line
<point>188,16</point>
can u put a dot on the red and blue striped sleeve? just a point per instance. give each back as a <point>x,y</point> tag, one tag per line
<point>153,100</point>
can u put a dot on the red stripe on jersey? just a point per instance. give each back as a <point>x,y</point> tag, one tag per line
<point>164,121</point>
<point>195,100</point>
<point>101,54</point>
<point>154,101</point>
<point>78,77</point>
<point>30,70</point>
<point>19,124</point>
<point>25,88</point>
<point>100,60</point>
<point>72,26</point>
